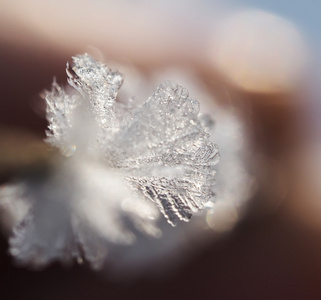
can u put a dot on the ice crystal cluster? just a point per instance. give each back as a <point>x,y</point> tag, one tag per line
<point>125,163</point>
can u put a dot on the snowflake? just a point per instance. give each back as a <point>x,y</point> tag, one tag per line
<point>125,163</point>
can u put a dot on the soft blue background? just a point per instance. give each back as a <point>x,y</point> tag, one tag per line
<point>306,14</point>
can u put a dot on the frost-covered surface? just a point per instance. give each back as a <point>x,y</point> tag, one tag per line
<point>225,125</point>
<point>160,146</point>
<point>126,163</point>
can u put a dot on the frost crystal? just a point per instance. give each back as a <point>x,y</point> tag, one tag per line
<point>126,161</point>
<point>161,148</point>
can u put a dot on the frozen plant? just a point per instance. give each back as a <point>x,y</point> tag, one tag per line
<point>124,163</point>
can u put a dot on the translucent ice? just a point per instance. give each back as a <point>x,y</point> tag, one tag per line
<point>161,146</point>
<point>125,163</point>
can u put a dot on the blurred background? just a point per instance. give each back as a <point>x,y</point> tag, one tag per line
<point>261,58</point>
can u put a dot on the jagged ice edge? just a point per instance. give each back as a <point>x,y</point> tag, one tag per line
<point>164,133</point>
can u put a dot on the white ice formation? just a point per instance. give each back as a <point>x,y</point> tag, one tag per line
<point>122,162</point>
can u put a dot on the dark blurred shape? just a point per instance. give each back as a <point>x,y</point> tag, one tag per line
<point>21,154</point>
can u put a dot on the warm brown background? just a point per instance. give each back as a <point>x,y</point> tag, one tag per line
<point>273,253</point>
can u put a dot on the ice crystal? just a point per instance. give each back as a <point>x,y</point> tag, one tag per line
<point>161,148</point>
<point>126,161</point>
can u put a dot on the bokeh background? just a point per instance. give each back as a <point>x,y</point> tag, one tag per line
<point>258,57</point>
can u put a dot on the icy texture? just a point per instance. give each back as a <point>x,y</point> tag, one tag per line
<point>171,161</point>
<point>97,82</point>
<point>161,147</point>
<point>226,127</point>
<point>75,213</point>
<point>126,161</point>
<point>60,107</point>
